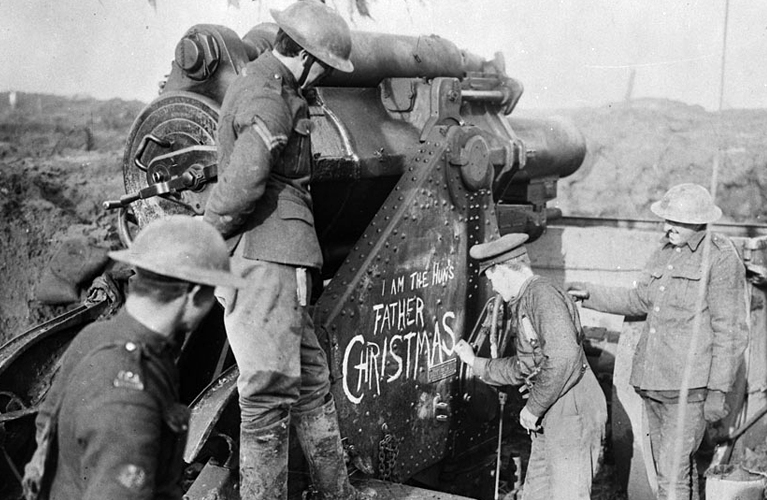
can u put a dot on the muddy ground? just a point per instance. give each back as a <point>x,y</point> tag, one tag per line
<point>60,158</point>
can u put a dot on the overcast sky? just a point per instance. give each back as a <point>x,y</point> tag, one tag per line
<point>567,53</point>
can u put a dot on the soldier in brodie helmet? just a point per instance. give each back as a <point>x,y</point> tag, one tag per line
<point>693,291</point>
<point>262,206</point>
<point>565,411</point>
<point>111,425</point>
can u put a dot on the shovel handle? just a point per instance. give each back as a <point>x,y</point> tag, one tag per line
<point>735,434</point>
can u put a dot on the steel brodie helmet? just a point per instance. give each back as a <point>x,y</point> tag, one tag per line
<point>688,203</point>
<point>320,30</point>
<point>184,248</point>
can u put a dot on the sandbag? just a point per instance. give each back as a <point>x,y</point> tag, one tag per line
<point>74,264</point>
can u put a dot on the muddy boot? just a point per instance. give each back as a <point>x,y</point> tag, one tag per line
<point>264,461</point>
<point>318,433</point>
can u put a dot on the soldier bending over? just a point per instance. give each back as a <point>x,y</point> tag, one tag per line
<point>566,410</point>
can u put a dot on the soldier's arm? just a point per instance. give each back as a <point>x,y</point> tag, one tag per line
<point>728,306</point>
<point>74,353</point>
<point>120,435</point>
<point>627,301</point>
<point>242,181</point>
<point>35,473</point>
<point>500,371</point>
<point>46,409</point>
<point>558,335</point>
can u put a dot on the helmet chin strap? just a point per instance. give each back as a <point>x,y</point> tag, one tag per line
<point>308,63</point>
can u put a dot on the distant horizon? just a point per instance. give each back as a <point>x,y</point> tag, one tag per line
<point>519,108</point>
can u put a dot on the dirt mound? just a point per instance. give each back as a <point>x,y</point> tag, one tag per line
<point>640,149</point>
<point>59,159</point>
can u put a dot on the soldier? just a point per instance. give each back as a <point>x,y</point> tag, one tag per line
<point>262,206</point>
<point>565,410</point>
<point>693,291</point>
<point>111,425</point>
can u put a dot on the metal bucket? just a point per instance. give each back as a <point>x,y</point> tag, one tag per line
<point>733,483</point>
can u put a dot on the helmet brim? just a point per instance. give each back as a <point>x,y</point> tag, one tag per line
<point>713,215</point>
<point>210,277</point>
<point>284,21</point>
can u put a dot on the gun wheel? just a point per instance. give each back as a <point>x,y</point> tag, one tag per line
<point>174,121</point>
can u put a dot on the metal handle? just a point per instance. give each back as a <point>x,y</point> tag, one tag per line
<point>142,146</point>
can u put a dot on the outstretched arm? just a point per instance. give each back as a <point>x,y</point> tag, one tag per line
<point>500,371</point>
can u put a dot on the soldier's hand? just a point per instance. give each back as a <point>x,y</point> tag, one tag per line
<point>465,352</point>
<point>715,408</point>
<point>756,274</point>
<point>528,420</point>
<point>524,391</point>
<point>577,290</point>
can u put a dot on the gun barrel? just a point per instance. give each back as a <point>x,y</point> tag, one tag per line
<point>381,55</point>
<point>555,147</point>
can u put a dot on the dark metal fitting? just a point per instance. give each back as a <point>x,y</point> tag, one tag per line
<point>198,55</point>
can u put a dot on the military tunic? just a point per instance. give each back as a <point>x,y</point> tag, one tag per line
<point>668,293</point>
<point>264,152</point>
<point>121,431</point>
<point>550,360</point>
<point>262,205</point>
<point>696,298</point>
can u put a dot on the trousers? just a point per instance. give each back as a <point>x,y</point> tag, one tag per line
<point>565,456</point>
<point>662,421</point>
<point>282,366</point>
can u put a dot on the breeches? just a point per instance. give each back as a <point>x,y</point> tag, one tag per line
<point>282,366</point>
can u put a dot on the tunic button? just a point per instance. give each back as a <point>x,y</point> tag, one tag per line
<point>678,249</point>
<point>130,346</point>
<point>657,308</point>
<point>661,288</point>
<point>276,76</point>
<point>652,330</point>
<point>670,266</point>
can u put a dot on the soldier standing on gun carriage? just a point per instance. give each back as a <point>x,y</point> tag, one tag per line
<point>694,293</point>
<point>565,410</point>
<point>262,206</point>
<point>111,425</point>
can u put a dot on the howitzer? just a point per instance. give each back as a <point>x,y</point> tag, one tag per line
<point>415,160</point>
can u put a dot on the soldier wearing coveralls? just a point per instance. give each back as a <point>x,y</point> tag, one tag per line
<point>694,293</point>
<point>565,410</point>
<point>111,426</point>
<point>262,206</point>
